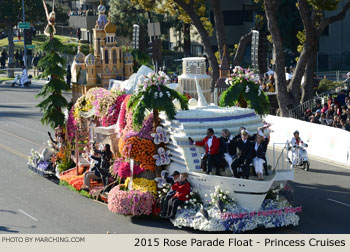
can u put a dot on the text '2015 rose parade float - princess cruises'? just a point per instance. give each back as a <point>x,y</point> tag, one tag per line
<point>162,153</point>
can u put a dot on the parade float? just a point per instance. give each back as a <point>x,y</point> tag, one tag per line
<point>147,127</point>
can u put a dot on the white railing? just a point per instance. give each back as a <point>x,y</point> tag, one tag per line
<point>280,163</point>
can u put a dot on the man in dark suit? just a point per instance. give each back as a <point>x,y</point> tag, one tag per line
<point>212,145</point>
<point>244,155</point>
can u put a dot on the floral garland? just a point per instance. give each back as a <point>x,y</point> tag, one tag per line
<point>113,112</point>
<point>130,202</point>
<point>122,114</point>
<point>140,149</point>
<point>71,125</point>
<point>143,185</point>
<point>191,218</point>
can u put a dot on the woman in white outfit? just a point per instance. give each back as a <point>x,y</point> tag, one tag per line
<point>259,154</point>
<point>24,77</point>
<point>295,142</point>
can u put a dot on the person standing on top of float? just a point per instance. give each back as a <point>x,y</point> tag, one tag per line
<point>212,144</point>
<point>244,154</point>
<point>295,142</point>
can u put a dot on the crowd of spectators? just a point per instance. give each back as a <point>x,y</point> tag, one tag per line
<point>83,13</point>
<point>334,112</point>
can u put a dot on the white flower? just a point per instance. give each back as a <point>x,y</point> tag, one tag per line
<point>168,93</point>
<point>160,94</point>
<point>149,75</point>
<point>187,196</point>
<point>185,207</point>
<point>156,94</point>
<point>225,197</point>
<point>259,92</point>
<point>227,192</point>
<point>247,89</point>
<point>221,195</point>
<point>205,195</point>
<point>162,74</point>
<point>186,202</point>
<point>191,193</point>
<point>224,210</point>
<point>194,200</point>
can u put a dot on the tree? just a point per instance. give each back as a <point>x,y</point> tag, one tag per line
<point>125,15</point>
<point>314,21</point>
<point>54,102</point>
<point>11,15</point>
<point>220,26</point>
<point>53,65</point>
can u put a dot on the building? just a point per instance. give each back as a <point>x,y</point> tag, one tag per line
<point>238,19</point>
<point>105,61</point>
<point>334,46</point>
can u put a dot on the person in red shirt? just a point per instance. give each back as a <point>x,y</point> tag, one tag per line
<point>182,190</point>
<point>212,145</point>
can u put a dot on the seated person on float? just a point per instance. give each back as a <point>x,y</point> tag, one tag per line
<point>182,190</point>
<point>212,145</point>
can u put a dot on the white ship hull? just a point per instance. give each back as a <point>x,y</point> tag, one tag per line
<point>249,194</point>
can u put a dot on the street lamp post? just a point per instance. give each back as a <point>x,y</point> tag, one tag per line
<point>25,48</point>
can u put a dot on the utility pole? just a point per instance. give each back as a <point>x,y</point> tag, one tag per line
<point>24,43</point>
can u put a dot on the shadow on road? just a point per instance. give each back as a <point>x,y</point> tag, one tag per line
<point>345,173</point>
<point>7,230</point>
<point>20,114</point>
<point>8,211</point>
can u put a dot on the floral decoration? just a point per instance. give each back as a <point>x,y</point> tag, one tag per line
<point>162,158</point>
<point>122,168</point>
<point>130,202</point>
<point>140,149</point>
<point>143,185</point>
<point>190,218</point>
<point>161,136</point>
<point>244,90</point>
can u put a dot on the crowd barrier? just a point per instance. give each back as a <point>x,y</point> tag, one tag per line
<point>324,142</point>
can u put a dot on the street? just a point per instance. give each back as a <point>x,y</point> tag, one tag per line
<point>31,204</point>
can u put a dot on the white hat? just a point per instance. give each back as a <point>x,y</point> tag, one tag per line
<point>260,133</point>
<point>244,132</point>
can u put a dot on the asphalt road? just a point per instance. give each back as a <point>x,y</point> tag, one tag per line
<point>31,204</point>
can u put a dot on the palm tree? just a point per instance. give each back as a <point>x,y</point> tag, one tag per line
<point>155,96</point>
<point>244,90</point>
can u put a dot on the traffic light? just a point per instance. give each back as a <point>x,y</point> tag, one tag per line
<point>27,36</point>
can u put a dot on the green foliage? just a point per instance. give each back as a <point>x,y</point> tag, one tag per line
<point>328,5</point>
<point>145,99</point>
<point>53,102</point>
<point>326,85</point>
<point>260,103</point>
<point>124,14</point>
<point>82,192</point>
